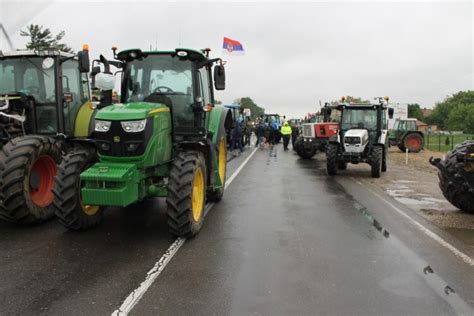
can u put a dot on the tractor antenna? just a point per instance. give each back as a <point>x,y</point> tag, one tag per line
<point>7,37</point>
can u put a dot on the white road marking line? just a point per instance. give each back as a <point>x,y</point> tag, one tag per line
<point>422,228</point>
<point>159,266</point>
<point>137,294</point>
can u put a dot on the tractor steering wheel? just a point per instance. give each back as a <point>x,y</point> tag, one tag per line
<point>160,88</point>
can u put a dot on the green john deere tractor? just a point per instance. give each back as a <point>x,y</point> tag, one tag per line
<point>44,112</point>
<point>405,135</point>
<point>165,139</point>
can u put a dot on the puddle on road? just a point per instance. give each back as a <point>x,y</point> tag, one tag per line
<point>411,201</point>
<point>398,192</point>
<point>403,181</point>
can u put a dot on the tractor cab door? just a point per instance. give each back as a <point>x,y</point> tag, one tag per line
<point>75,93</point>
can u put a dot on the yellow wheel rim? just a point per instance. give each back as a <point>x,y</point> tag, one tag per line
<point>222,160</point>
<point>90,209</point>
<point>198,195</point>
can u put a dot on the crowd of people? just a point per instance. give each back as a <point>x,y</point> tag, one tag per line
<point>267,133</point>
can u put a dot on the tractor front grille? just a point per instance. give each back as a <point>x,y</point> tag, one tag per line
<point>118,143</point>
<point>308,130</point>
<point>352,140</point>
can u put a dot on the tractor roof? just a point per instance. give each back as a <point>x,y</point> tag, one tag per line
<point>40,53</point>
<point>359,105</point>
<point>232,106</point>
<point>192,53</point>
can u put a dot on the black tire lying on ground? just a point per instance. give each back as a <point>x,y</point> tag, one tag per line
<point>454,181</point>
<point>27,170</point>
<point>187,185</point>
<point>68,205</point>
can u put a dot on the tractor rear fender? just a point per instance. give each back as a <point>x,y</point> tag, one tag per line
<point>383,137</point>
<point>220,122</point>
<point>84,120</point>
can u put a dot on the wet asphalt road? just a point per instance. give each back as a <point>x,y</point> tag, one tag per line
<point>286,239</point>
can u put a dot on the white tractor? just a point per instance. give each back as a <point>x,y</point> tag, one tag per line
<point>362,137</point>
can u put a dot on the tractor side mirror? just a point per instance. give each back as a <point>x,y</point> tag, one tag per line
<point>390,113</point>
<point>219,77</point>
<point>84,64</point>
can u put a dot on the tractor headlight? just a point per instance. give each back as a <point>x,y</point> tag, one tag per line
<point>102,126</point>
<point>133,126</point>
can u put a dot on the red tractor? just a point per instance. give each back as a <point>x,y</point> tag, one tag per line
<point>315,135</point>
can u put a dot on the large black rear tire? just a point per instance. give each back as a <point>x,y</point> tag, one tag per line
<point>331,158</point>
<point>187,185</point>
<point>216,195</point>
<point>454,186</point>
<point>68,205</point>
<point>376,161</point>
<point>27,169</point>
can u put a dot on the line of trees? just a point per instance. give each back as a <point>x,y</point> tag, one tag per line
<point>454,113</point>
<point>248,103</point>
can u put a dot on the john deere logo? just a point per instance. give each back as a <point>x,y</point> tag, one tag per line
<point>116,139</point>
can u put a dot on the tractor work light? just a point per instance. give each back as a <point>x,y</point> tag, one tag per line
<point>102,126</point>
<point>182,53</point>
<point>134,126</point>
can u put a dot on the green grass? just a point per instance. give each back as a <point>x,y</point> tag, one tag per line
<point>438,142</point>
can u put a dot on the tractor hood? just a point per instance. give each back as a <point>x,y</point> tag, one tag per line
<point>362,133</point>
<point>355,140</point>
<point>130,111</point>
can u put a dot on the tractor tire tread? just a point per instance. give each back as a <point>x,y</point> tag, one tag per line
<point>15,156</point>
<point>67,202</point>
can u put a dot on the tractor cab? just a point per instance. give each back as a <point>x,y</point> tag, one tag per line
<point>179,80</point>
<point>42,93</point>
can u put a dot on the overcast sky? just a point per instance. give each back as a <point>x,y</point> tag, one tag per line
<point>296,53</point>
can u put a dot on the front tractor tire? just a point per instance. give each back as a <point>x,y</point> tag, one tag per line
<point>187,186</point>
<point>27,169</point>
<point>331,158</point>
<point>376,161</point>
<point>306,153</point>
<point>70,210</point>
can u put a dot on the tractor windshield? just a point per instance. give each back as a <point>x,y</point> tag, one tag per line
<point>32,76</point>
<point>359,118</point>
<point>161,78</point>
<point>396,125</point>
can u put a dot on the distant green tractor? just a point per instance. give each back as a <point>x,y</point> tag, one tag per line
<point>405,135</point>
<point>166,139</point>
